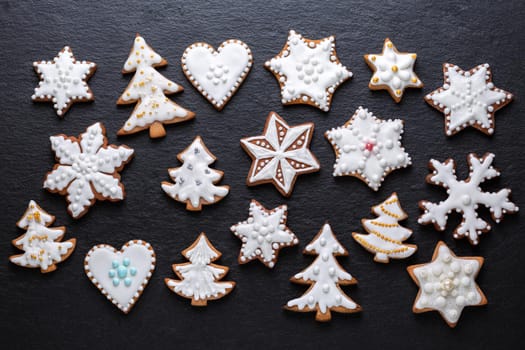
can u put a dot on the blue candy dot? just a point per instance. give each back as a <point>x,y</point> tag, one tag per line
<point>111,273</point>
<point>116,282</point>
<point>126,262</point>
<point>122,271</point>
<point>127,282</point>
<point>132,271</point>
<point>115,264</point>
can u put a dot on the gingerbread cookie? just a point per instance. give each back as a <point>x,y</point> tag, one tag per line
<point>199,278</point>
<point>263,234</point>
<point>217,74</point>
<point>393,71</point>
<point>447,284</point>
<point>63,81</point>
<point>43,247</point>
<point>468,98</point>
<point>148,88</point>
<point>368,148</point>
<point>386,236</point>
<point>121,275</point>
<point>281,154</point>
<point>325,276</point>
<point>465,196</point>
<point>195,180</point>
<point>87,169</point>
<point>308,71</point>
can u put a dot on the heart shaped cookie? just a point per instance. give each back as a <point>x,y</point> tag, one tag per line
<point>121,275</point>
<point>217,74</point>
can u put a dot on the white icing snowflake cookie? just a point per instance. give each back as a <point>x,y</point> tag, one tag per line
<point>148,88</point>
<point>368,148</point>
<point>195,180</point>
<point>280,154</point>
<point>263,234</point>
<point>43,247</point>
<point>121,275</point>
<point>63,81</point>
<point>308,71</point>
<point>217,74</point>
<point>468,98</point>
<point>465,196</point>
<point>87,169</point>
<point>393,71</point>
<point>200,278</point>
<point>447,284</point>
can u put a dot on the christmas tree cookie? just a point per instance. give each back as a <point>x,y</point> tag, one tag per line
<point>386,236</point>
<point>43,246</point>
<point>148,88</point>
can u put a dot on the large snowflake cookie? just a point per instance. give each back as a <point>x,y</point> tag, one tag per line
<point>368,148</point>
<point>465,196</point>
<point>393,71</point>
<point>447,284</point>
<point>63,81</point>
<point>87,169</point>
<point>325,276</point>
<point>217,74</point>
<point>121,275</point>
<point>308,71</point>
<point>43,246</point>
<point>195,180</point>
<point>148,88</point>
<point>200,278</point>
<point>280,154</point>
<point>263,234</point>
<point>468,98</point>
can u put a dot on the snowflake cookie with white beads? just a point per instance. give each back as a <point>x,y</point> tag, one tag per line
<point>468,98</point>
<point>263,234</point>
<point>308,71</point>
<point>465,196</point>
<point>368,148</point>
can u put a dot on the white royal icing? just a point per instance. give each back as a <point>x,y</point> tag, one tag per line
<point>194,180</point>
<point>63,80</point>
<point>465,196</point>
<point>368,147</point>
<point>87,167</point>
<point>447,284</point>
<point>393,70</point>
<point>468,98</point>
<point>386,236</point>
<point>263,234</point>
<point>309,72</point>
<point>199,277</point>
<point>281,154</point>
<point>325,274</point>
<point>148,87</point>
<point>217,74</point>
<point>104,264</point>
<point>41,245</point>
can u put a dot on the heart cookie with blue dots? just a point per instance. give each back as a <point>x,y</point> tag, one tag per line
<point>121,275</point>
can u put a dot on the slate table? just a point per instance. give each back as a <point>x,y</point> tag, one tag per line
<point>64,310</point>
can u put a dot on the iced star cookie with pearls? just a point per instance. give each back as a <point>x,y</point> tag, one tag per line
<point>468,98</point>
<point>121,275</point>
<point>308,71</point>
<point>393,71</point>
<point>217,74</point>
<point>447,284</point>
<point>87,169</point>
<point>263,234</point>
<point>63,81</point>
<point>368,148</point>
<point>281,154</point>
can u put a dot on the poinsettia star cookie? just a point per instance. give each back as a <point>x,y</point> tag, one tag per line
<point>308,71</point>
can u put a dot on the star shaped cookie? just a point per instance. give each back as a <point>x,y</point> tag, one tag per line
<point>447,284</point>
<point>393,71</point>
<point>280,154</point>
<point>308,71</point>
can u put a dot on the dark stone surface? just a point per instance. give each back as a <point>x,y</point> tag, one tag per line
<point>63,309</point>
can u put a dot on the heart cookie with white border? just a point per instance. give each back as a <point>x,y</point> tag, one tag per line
<point>121,275</point>
<point>217,74</point>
